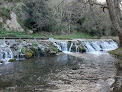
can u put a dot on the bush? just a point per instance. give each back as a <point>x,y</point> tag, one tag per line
<point>1,25</point>
<point>6,12</point>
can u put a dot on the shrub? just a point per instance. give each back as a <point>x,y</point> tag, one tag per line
<point>6,12</point>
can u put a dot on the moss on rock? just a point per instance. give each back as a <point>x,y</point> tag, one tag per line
<point>11,60</point>
<point>117,52</point>
<point>28,54</point>
<point>23,50</point>
<point>82,49</point>
<point>55,49</point>
<point>1,61</point>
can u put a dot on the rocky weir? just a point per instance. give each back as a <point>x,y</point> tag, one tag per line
<point>82,65</point>
<point>19,49</point>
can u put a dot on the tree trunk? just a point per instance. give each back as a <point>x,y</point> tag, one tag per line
<point>114,13</point>
<point>120,39</point>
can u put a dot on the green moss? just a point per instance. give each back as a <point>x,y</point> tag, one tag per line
<point>11,60</point>
<point>55,49</point>
<point>31,51</point>
<point>23,50</point>
<point>28,54</point>
<point>34,44</point>
<point>82,49</point>
<point>117,52</point>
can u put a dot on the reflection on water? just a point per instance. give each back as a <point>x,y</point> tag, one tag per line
<point>34,71</point>
<point>63,73</point>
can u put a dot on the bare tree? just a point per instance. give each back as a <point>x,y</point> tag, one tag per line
<point>95,21</point>
<point>115,15</point>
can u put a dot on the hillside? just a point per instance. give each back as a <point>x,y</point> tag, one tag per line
<point>53,18</point>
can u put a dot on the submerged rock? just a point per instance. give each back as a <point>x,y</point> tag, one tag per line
<point>29,53</point>
<point>1,61</point>
<point>11,60</point>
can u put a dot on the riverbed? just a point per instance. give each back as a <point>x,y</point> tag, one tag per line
<point>72,72</point>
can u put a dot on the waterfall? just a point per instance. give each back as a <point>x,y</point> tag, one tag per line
<point>20,56</point>
<point>63,46</point>
<point>93,46</point>
<point>88,47</point>
<point>5,51</point>
<point>70,47</point>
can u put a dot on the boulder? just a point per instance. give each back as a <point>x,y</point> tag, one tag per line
<point>11,60</point>
<point>12,24</point>
<point>1,61</point>
<point>28,54</point>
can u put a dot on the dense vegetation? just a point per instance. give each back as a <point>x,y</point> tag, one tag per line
<point>68,18</point>
<point>59,16</point>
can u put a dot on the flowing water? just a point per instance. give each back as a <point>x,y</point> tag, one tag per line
<point>94,46</point>
<point>72,72</point>
<point>63,73</point>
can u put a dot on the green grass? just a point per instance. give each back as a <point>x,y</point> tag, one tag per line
<point>117,52</point>
<point>72,36</point>
<point>5,33</point>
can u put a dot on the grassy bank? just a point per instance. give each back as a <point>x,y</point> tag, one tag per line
<point>43,35</point>
<point>117,52</point>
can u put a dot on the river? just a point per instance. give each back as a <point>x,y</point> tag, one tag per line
<point>72,72</point>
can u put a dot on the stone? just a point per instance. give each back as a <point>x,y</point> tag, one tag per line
<point>12,24</point>
<point>30,31</point>
<point>28,54</point>
<point>1,61</point>
<point>11,60</point>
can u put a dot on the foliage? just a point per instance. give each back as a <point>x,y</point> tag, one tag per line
<point>1,25</point>
<point>117,52</point>
<point>58,18</point>
<point>6,33</point>
<point>5,12</point>
<point>22,24</point>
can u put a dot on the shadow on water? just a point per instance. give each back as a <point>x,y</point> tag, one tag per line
<point>34,72</point>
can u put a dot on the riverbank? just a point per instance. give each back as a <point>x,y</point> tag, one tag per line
<point>117,53</point>
<point>6,33</point>
<point>62,73</point>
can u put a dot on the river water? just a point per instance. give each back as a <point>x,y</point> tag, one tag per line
<point>62,73</point>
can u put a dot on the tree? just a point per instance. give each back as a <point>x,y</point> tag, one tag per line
<point>115,15</point>
<point>93,15</point>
